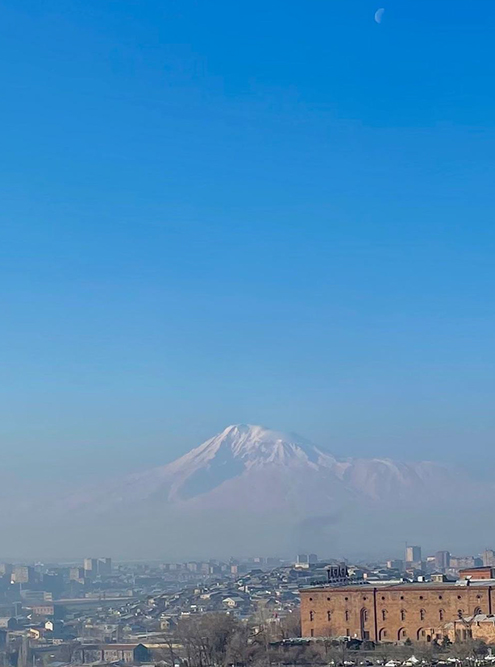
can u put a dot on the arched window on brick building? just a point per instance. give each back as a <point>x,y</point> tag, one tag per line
<point>329,615</point>
<point>384,614</point>
<point>347,615</point>
<point>441,615</point>
<point>422,614</point>
<point>311,615</point>
<point>402,615</point>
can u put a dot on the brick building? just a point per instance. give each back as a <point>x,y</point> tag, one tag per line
<point>395,612</point>
<point>477,573</point>
<point>481,627</point>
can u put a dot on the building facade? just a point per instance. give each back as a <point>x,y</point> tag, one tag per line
<point>477,573</point>
<point>391,613</point>
<point>442,560</point>
<point>488,557</point>
<point>481,627</point>
<point>126,653</point>
<point>23,574</point>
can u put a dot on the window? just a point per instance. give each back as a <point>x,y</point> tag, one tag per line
<point>311,599</point>
<point>402,615</point>
<point>312,632</point>
<point>383,598</point>
<point>422,614</point>
<point>329,615</point>
<point>365,615</point>
<point>384,614</point>
<point>401,597</point>
<point>346,616</point>
<point>311,615</point>
<point>458,597</point>
<point>364,597</point>
<point>346,599</point>
<point>328,599</point>
<point>439,597</point>
<point>440,615</point>
<point>420,597</point>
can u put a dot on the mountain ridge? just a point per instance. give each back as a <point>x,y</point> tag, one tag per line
<point>251,490</point>
<point>242,449</point>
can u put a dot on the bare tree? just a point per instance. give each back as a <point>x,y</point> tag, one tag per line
<point>290,626</point>
<point>207,639</point>
<point>66,651</point>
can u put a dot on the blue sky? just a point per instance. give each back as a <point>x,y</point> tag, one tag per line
<point>265,212</point>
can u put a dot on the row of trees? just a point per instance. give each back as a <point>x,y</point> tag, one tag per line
<point>220,640</point>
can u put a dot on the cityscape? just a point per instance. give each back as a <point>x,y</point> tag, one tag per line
<point>101,611</point>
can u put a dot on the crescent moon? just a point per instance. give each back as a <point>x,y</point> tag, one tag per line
<point>379,14</point>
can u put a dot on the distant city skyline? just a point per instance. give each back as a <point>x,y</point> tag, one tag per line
<point>129,612</point>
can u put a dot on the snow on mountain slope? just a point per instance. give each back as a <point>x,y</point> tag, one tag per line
<point>254,445</point>
<point>224,458</point>
<point>235,451</point>
<point>385,479</point>
<point>251,488</point>
<point>252,464</point>
<point>240,449</point>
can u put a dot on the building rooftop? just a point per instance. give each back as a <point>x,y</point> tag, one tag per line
<point>405,585</point>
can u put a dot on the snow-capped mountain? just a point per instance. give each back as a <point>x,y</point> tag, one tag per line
<point>238,450</point>
<point>255,446</point>
<point>274,469</point>
<point>251,489</point>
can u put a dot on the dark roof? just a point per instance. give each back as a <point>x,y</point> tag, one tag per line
<point>120,647</point>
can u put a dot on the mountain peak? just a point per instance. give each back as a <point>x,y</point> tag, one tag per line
<point>262,444</point>
<point>243,446</point>
<point>238,449</point>
<point>244,430</point>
